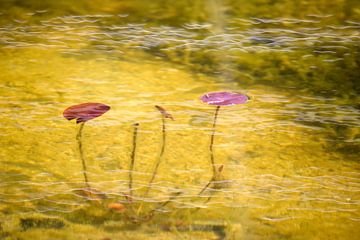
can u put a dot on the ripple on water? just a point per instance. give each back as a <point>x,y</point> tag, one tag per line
<point>279,161</point>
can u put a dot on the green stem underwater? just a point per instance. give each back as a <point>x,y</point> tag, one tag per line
<point>132,159</point>
<point>212,158</point>
<point>160,156</point>
<point>81,152</point>
<point>211,148</point>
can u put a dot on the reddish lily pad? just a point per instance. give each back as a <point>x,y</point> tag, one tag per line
<point>85,111</point>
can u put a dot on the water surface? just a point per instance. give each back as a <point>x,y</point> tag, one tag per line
<point>290,155</point>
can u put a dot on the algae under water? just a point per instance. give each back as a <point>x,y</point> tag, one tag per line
<point>289,157</point>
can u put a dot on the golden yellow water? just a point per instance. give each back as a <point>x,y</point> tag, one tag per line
<point>290,155</point>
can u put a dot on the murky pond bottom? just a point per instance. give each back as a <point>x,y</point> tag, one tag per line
<point>289,156</point>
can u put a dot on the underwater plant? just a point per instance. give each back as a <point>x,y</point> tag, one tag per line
<point>82,113</point>
<point>132,159</point>
<point>219,99</point>
<point>134,211</point>
<point>164,115</point>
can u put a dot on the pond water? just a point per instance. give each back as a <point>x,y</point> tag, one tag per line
<point>290,155</point>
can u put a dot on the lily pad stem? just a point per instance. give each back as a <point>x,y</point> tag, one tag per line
<point>160,156</point>
<point>132,159</point>
<point>79,140</point>
<point>211,148</point>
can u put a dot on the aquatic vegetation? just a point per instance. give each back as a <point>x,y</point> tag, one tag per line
<point>134,211</point>
<point>119,207</point>
<point>219,99</point>
<point>141,215</point>
<point>164,115</point>
<point>132,160</point>
<point>83,113</point>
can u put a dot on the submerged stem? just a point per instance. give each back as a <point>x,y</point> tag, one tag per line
<point>212,157</point>
<point>160,156</point>
<point>79,140</point>
<point>132,159</point>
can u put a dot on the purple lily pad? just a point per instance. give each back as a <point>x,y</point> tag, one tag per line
<point>85,111</point>
<point>224,98</point>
